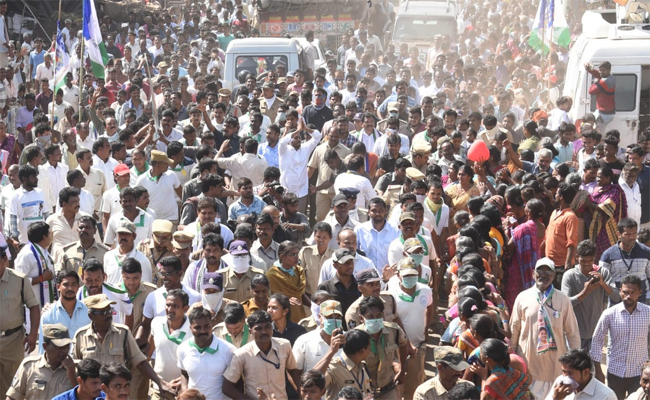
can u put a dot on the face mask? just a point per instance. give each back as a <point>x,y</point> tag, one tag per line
<point>212,301</point>
<point>329,325</point>
<point>417,258</point>
<point>374,325</point>
<point>315,312</point>
<point>240,264</point>
<point>44,139</point>
<point>419,198</point>
<point>409,282</point>
<point>281,117</point>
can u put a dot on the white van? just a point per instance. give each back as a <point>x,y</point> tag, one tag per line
<point>627,47</point>
<point>260,55</point>
<point>417,22</point>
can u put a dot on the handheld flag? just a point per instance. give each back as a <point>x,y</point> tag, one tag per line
<point>93,39</point>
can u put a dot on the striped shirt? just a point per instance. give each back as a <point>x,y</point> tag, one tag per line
<point>621,263</point>
<point>629,339</point>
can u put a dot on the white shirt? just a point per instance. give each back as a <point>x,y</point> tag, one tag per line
<point>161,192</point>
<point>43,71</point>
<point>54,179</point>
<point>166,365</point>
<point>205,370</point>
<point>309,349</point>
<point>594,390</point>
<point>143,227</point>
<point>357,181</point>
<point>246,165</point>
<point>293,163</point>
<point>122,307</point>
<point>85,143</point>
<point>442,222</point>
<point>245,122</point>
<point>633,197</point>
<point>396,249</point>
<point>7,193</point>
<point>556,117</point>
<point>113,265</point>
<point>336,229</point>
<point>328,272</point>
<point>154,305</point>
<point>174,136</point>
<point>381,147</point>
<point>28,207</point>
<point>58,110</point>
<point>71,96</point>
<point>107,168</point>
<point>28,265</point>
<point>111,201</point>
<point>413,314</point>
<point>86,202</point>
<point>347,96</point>
<point>376,243</point>
<point>368,140</point>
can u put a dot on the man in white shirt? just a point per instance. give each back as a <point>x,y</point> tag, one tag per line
<point>311,347</point>
<point>577,381</point>
<point>376,234</point>
<point>161,184</point>
<point>27,206</point>
<point>102,159</point>
<point>113,259</point>
<point>129,211</point>
<point>368,134</point>
<point>71,92</point>
<point>294,156</point>
<point>248,165</point>
<point>169,133</point>
<point>64,223</point>
<point>35,261</point>
<point>7,193</point>
<point>355,178</point>
<point>94,277</point>
<point>53,175</point>
<point>111,197</point>
<point>346,239</point>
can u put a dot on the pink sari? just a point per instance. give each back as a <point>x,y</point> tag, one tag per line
<point>520,272</point>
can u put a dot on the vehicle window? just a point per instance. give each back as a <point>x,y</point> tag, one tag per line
<point>419,29</point>
<point>258,64</point>
<point>625,95</point>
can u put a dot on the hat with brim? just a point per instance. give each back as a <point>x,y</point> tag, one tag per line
<point>182,239</point>
<point>341,256</point>
<point>450,356</point>
<point>268,85</point>
<point>97,302</point>
<point>162,226</point>
<point>212,280</point>
<point>406,267</point>
<point>412,244</point>
<point>121,170</point>
<point>545,262</point>
<point>58,334</point>
<point>331,307</point>
<point>340,199</point>
<point>238,248</point>
<point>125,226</point>
<point>159,156</point>
<point>367,275</point>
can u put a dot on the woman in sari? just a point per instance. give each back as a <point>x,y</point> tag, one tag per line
<point>581,205</point>
<point>611,207</point>
<point>287,278</point>
<point>8,145</point>
<point>500,381</point>
<point>479,327</point>
<point>524,245</point>
<point>461,192</point>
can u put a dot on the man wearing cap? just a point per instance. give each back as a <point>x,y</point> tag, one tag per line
<point>412,244</point>
<point>111,198</point>
<point>343,285</point>
<point>346,239</point>
<point>47,375</point>
<point>106,341</point>
<point>159,245</point>
<point>232,110</point>
<point>450,364</point>
<point>129,212</point>
<point>369,284</point>
<point>414,308</point>
<point>95,283</point>
<point>390,185</point>
<point>542,322</point>
<point>339,217</point>
<point>212,297</point>
<point>113,259</point>
<point>359,214</point>
<point>161,183</point>
<point>72,256</point>
<point>388,343</point>
<point>270,103</point>
<point>182,246</point>
<point>311,347</point>
<point>237,276</point>
<point>419,155</point>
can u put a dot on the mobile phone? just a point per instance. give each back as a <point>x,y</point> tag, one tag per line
<point>512,220</point>
<point>593,279</point>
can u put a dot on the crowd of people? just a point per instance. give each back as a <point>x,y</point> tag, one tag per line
<point>304,236</point>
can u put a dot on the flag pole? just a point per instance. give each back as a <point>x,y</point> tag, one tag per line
<point>56,50</point>
<point>80,80</point>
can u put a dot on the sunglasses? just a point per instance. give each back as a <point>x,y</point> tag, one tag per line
<point>102,312</point>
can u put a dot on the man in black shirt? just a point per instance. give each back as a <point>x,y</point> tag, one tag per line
<point>318,113</point>
<point>343,286</point>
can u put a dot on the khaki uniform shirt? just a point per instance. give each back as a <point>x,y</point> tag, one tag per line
<point>423,168</point>
<point>250,306</point>
<point>147,248</point>
<point>72,256</point>
<point>308,323</point>
<point>138,302</point>
<point>317,162</point>
<point>312,264</point>
<point>248,363</point>
<point>96,185</point>
<point>390,310</point>
<point>236,288</point>
<point>15,290</point>
<point>383,352</point>
<point>343,372</point>
<point>119,345</point>
<point>433,390</point>
<point>35,379</point>
<point>238,340</point>
<point>62,232</point>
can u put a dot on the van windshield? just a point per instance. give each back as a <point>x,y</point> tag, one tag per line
<point>423,29</point>
<point>258,64</point>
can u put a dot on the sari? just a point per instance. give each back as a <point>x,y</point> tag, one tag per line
<point>612,207</point>
<point>290,286</point>
<point>467,343</point>
<point>459,200</point>
<point>508,384</point>
<point>8,145</point>
<point>522,265</point>
<point>578,207</point>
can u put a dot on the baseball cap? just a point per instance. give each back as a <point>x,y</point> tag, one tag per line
<point>212,280</point>
<point>367,275</point>
<point>97,302</point>
<point>405,216</point>
<point>341,256</point>
<point>545,262</point>
<point>412,244</point>
<point>238,248</point>
<point>125,226</point>
<point>406,266</point>
<point>121,169</point>
<point>58,334</point>
<point>268,85</point>
<point>162,226</point>
<point>331,307</point>
<point>451,356</point>
<point>340,199</point>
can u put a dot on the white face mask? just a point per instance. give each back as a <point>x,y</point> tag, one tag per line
<point>315,312</point>
<point>240,264</point>
<point>420,198</point>
<point>212,301</point>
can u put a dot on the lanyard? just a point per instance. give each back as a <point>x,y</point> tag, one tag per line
<point>202,350</point>
<point>407,298</point>
<point>276,365</point>
<point>179,339</point>
<point>623,254</point>
<point>244,338</point>
<point>355,376</point>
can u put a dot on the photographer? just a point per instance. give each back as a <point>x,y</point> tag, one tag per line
<point>270,190</point>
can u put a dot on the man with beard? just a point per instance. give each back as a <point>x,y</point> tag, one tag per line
<point>204,359</point>
<point>125,249</point>
<point>143,221</point>
<point>41,376</point>
<point>65,222</point>
<point>89,386</point>
<point>295,224</point>
<point>247,202</point>
<point>318,113</point>
<point>376,235</point>
<point>262,363</point>
<point>168,133</point>
<point>67,311</point>
<point>211,262</point>
<point>73,255</point>
<point>171,273</point>
<point>27,206</point>
<point>539,312</point>
<point>450,365</point>
<point>99,339</point>
<point>168,332</point>
<point>269,149</point>
<point>94,280</point>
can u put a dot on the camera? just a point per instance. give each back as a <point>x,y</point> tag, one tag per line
<point>275,186</point>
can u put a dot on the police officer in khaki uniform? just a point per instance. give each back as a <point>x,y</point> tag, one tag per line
<point>158,247</point>
<point>72,255</point>
<point>389,348</point>
<point>16,292</point>
<point>237,277</point>
<point>47,375</point>
<point>182,247</point>
<point>369,284</point>
<point>419,155</point>
<point>234,328</point>
<point>106,341</point>
<point>348,369</point>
